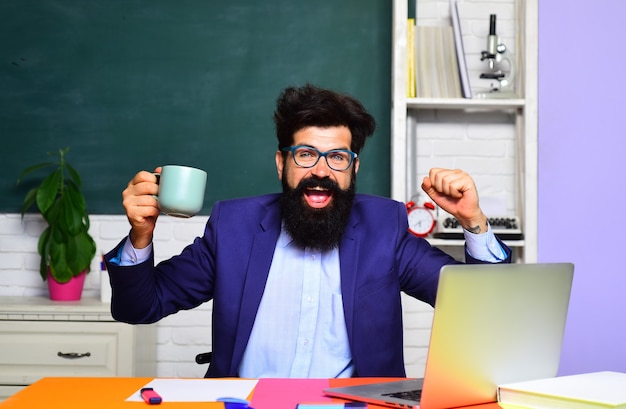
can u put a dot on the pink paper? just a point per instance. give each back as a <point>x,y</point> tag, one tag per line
<point>272,393</point>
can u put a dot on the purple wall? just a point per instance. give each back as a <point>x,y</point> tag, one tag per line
<point>582,182</point>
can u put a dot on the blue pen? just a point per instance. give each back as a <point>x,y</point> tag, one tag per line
<point>235,403</point>
<point>332,405</point>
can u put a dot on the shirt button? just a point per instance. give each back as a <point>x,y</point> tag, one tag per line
<point>306,342</point>
<point>309,299</point>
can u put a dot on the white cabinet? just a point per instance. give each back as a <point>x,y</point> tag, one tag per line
<point>414,118</point>
<point>40,338</point>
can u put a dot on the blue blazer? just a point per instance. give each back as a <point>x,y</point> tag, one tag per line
<point>379,259</point>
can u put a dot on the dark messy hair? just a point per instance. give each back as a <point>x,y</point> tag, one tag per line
<point>301,107</point>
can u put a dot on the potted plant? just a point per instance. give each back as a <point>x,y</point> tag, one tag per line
<point>65,246</point>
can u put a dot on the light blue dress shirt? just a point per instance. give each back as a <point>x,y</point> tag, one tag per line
<point>299,330</point>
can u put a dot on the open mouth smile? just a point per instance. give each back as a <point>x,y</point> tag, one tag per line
<point>317,197</point>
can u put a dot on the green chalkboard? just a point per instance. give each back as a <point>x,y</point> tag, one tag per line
<point>134,84</point>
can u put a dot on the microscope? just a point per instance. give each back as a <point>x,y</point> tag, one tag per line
<point>501,66</point>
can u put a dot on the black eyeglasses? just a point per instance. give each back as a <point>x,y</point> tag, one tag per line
<point>307,157</point>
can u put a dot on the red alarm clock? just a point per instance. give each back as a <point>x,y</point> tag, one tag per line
<point>422,219</point>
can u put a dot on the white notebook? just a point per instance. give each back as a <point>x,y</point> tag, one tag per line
<point>590,390</point>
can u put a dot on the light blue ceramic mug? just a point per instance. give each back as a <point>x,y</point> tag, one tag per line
<point>181,190</point>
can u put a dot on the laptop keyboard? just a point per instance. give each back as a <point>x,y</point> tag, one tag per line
<point>413,395</point>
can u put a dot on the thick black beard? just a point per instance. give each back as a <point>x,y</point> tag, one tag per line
<point>318,229</point>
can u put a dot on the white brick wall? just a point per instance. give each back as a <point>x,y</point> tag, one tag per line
<point>180,336</point>
<point>481,144</point>
<point>417,317</point>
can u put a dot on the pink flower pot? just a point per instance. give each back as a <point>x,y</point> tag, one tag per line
<point>70,291</point>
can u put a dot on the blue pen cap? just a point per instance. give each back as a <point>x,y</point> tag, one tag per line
<point>235,403</point>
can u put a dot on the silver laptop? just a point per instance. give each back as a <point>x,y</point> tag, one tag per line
<point>493,324</point>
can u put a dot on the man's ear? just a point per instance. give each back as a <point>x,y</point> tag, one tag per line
<point>280,162</point>
<point>356,165</point>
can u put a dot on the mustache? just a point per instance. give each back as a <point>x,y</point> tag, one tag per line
<point>325,183</point>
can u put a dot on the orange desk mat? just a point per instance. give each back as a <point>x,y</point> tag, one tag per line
<point>111,393</point>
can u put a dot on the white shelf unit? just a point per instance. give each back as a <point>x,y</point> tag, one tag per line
<point>521,114</point>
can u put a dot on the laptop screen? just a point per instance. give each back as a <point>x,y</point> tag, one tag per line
<point>493,324</point>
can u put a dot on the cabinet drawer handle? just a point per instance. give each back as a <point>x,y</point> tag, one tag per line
<point>73,355</point>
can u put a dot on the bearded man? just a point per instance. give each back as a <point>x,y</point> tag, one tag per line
<point>307,283</point>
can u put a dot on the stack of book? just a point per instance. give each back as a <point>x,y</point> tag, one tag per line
<point>436,60</point>
<point>593,390</point>
<point>437,68</point>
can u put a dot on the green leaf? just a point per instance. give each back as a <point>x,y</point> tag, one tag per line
<point>61,274</point>
<point>58,261</point>
<point>74,175</point>
<point>33,168</point>
<point>52,215</point>
<point>43,269</point>
<point>81,250</point>
<point>58,234</point>
<point>29,200</point>
<point>74,197</point>
<point>86,221</point>
<point>48,190</point>
<point>61,153</point>
<point>71,216</point>
<point>43,247</point>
